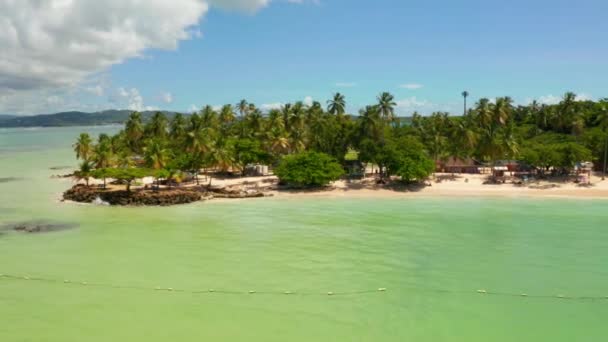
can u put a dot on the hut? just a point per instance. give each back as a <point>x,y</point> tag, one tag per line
<point>457,165</point>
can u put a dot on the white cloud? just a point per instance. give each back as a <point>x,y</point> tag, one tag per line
<point>345,84</point>
<point>193,109</point>
<point>53,45</point>
<point>308,100</point>
<point>552,99</point>
<point>130,99</point>
<point>411,86</point>
<point>270,106</point>
<point>549,99</point>
<point>412,104</point>
<point>166,97</point>
<point>58,42</point>
<point>95,90</point>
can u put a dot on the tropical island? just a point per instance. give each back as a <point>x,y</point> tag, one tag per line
<point>221,152</point>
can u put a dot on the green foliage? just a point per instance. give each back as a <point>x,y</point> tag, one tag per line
<point>308,169</point>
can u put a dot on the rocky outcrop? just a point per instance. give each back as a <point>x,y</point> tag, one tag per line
<point>237,192</point>
<point>164,197</point>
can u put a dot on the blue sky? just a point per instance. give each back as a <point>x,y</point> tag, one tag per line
<point>424,52</point>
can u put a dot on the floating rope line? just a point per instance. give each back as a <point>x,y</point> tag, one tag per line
<point>480,292</point>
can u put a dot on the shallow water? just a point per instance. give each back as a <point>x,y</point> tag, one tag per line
<point>411,247</point>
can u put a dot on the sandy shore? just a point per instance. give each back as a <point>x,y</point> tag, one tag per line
<point>444,185</point>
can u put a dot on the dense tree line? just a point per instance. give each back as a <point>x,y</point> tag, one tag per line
<point>234,136</point>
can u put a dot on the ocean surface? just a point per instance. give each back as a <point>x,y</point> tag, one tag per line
<point>184,273</point>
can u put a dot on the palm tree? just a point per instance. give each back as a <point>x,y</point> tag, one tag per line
<point>158,126</point>
<point>134,132</point>
<point>337,105</point>
<point>177,129</point>
<point>386,106</point>
<point>227,115</point>
<point>156,154</point>
<point>465,94</point>
<point>84,172</point>
<point>83,147</point>
<point>242,107</point>
<point>602,120</point>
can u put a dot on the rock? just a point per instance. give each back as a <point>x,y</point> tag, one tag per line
<point>9,179</point>
<point>38,227</point>
<point>164,197</point>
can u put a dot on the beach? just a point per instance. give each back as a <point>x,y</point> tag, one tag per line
<point>442,185</point>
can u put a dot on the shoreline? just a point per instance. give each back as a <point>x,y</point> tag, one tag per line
<point>444,186</point>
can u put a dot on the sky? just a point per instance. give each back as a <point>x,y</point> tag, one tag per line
<point>179,55</point>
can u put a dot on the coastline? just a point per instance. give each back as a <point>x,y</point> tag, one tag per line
<point>444,186</point>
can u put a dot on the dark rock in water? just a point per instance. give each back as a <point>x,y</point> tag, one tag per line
<point>69,175</point>
<point>10,179</point>
<point>37,227</point>
<point>164,197</point>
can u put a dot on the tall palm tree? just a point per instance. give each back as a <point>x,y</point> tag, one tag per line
<point>83,147</point>
<point>177,129</point>
<point>84,171</point>
<point>242,106</point>
<point>158,126</point>
<point>134,132</point>
<point>337,105</point>
<point>227,116</point>
<point>386,106</point>
<point>465,94</point>
<point>156,154</point>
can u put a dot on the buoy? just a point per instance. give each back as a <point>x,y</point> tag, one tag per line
<point>66,281</point>
<point>251,292</point>
<point>482,291</point>
<point>561,296</point>
<point>288,292</point>
<point>382,289</point>
<point>169,289</point>
<point>330,293</point>
<point>26,278</point>
<point>524,295</point>
<point>211,290</point>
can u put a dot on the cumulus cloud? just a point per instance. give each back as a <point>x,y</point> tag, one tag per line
<point>57,42</point>
<point>308,100</point>
<point>270,106</point>
<point>552,99</point>
<point>47,45</point>
<point>130,99</point>
<point>166,97</point>
<point>411,86</point>
<point>412,104</point>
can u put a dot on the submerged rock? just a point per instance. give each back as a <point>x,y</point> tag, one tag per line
<point>37,227</point>
<point>9,179</point>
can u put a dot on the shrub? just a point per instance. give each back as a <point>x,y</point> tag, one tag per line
<point>308,169</point>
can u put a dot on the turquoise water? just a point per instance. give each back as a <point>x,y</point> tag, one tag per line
<point>411,247</point>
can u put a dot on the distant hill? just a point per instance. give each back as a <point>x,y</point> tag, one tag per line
<point>4,117</point>
<point>64,119</point>
<point>107,117</point>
